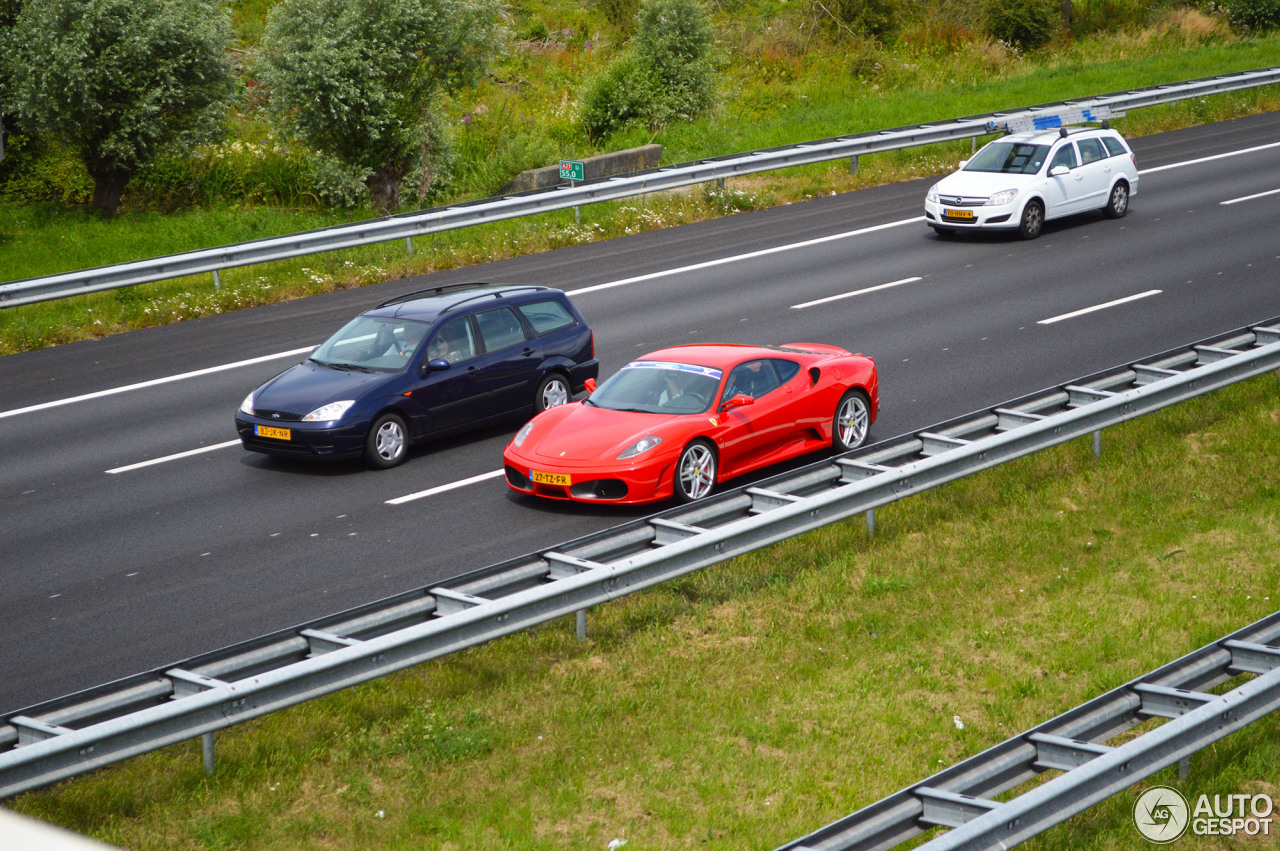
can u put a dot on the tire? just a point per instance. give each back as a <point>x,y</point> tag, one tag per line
<point>944,233</point>
<point>695,473</point>
<point>388,442</point>
<point>851,422</point>
<point>1032,220</point>
<point>552,390</point>
<point>1118,201</point>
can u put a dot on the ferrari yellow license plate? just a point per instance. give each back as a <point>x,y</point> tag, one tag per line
<point>958,214</point>
<point>273,432</point>
<point>550,478</point>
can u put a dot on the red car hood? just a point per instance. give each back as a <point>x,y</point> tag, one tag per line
<point>585,432</point>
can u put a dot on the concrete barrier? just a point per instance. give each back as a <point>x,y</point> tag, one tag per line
<point>603,165</point>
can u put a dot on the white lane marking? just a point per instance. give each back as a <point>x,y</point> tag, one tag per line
<point>155,382</point>
<point>1250,197</point>
<point>856,292</point>
<point>461,483</point>
<point>1207,159</point>
<point>748,256</point>
<point>128,467</point>
<point>1097,307</point>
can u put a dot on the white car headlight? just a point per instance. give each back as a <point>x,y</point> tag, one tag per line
<point>932,196</point>
<point>1001,198</point>
<point>523,433</point>
<point>246,407</point>
<point>330,412</point>
<point>642,445</point>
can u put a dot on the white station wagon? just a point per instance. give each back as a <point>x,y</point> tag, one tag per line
<point>1020,181</point>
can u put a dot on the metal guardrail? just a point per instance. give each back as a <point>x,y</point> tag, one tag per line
<point>71,735</point>
<point>962,797</point>
<point>488,210</point>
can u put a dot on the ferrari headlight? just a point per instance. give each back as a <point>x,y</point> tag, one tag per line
<point>642,445</point>
<point>1001,198</point>
<point>523,433</point>
<point>246,407</point>
<point>329,413</point>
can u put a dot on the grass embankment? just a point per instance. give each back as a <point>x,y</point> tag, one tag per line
<point>755,701</point>
<point>776,94</point>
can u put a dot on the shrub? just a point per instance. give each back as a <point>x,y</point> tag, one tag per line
<point>667,74</point>
<point>674,41</point>
<point>1024,24</point>
<point>878,19</point>
<point>1252,15</point>
<point>618,95</point>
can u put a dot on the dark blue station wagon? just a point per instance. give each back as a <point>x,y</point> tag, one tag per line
<point>425,364</point>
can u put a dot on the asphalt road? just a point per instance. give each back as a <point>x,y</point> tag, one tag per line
<point>135,532</point>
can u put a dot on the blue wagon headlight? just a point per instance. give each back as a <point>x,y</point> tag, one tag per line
<point>330,412</point>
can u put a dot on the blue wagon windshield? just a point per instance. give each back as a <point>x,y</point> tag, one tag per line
<point>659,387</point>
<point>372,343</point>
<point>1009,158</point>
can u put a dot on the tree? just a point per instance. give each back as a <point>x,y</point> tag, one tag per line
<point>119,81</point>
<point>358,79</point>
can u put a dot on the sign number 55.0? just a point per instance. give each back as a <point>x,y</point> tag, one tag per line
<point>572,170</point>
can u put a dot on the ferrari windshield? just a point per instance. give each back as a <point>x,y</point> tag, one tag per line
<point>374,343</point>
<point>1009,158</point>
<point>659,387</point>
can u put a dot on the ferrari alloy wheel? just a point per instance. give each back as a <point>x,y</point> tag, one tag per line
<point>388,442</point>
<point>852,421</point>
<point>552,390</point>
<point>695,471</point>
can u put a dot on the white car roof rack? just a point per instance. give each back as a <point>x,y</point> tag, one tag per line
<point>1049,120</point>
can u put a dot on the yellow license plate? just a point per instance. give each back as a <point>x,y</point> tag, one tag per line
<point>958,214</point>
<point>273,432</point>
<point>550,478</point>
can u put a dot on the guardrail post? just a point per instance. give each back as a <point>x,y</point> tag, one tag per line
<point>408,243</point>
<point>871,522</point>
<point>582,624</point>
<point>217,281</point>
<point>1097,444</point>
<point>206,747</point>
<point>853,165</point>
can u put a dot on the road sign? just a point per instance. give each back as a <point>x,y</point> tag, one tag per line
<point>572,170</point>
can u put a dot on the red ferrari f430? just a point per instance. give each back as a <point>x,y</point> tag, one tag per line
<point>678,421</point>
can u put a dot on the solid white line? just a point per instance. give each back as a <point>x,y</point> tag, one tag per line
<point>1250,197</point>
<point>1097,307</point>
<point>1207,159</point>
<point>856,292</point>
<point>748,256</point>
<point>142,385</point>
<point>462,483</point>
<point>186,454</point>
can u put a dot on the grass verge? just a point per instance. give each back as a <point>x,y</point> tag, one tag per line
<point>755,701</point>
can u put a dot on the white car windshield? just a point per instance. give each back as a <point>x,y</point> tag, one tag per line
<point>372,344</point>
<point>1009,158</point>
<point>659,387</point>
